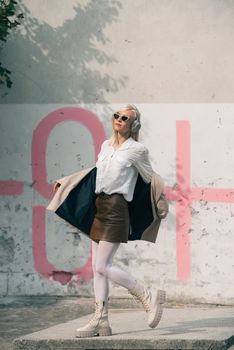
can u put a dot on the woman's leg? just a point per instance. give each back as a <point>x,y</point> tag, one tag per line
<point>104,270</point>
<point>99,323</point>
<point>100,282</point>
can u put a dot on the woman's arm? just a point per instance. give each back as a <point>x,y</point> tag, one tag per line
<point>140,159</point>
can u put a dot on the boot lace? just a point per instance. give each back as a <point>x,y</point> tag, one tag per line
<point>96,314</point>
<point>140,297</point>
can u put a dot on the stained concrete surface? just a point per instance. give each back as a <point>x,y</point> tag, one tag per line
<point>182,326</point>
<point>23,315</point>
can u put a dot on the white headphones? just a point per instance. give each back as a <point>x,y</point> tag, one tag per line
<point>136,125</point>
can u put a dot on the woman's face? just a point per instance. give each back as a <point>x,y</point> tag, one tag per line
<point>122,126</point>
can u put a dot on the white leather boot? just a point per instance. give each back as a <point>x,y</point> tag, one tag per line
<point>152,304</point>
<point>98,324</point>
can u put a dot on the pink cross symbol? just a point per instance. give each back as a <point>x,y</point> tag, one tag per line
<point>184,195</point>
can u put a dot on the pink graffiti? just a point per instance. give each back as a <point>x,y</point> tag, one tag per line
<point>40,138</point>
<point>11,188</point>
<point>39,175</point>
<point>41,263</point>
<point>184,195</point>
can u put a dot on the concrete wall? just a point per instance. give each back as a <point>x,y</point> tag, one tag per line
<point>77,62</point>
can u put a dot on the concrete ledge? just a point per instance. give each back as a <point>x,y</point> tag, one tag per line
<point>187,328</point>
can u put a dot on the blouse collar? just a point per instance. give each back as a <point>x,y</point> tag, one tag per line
<point>126,144</point>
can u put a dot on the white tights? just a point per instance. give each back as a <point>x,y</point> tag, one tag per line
<point>102,256</point>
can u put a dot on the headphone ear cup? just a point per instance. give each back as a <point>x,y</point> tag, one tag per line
<point>136,125</point>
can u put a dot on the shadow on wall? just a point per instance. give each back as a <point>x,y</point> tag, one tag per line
<point>51,65</point>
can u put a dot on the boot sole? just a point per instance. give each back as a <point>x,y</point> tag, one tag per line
<point>102,332</point>
<point>160,300</point>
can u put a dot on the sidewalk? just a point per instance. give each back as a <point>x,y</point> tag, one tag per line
<point>182,326</point>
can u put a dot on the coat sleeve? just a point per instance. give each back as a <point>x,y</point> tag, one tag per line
<point>139,157</point>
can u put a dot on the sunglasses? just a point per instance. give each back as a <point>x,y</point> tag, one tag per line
<point>124,118</point>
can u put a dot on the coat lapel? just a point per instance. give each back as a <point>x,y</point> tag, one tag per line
<point>67,184</point>
<point>79,206</point>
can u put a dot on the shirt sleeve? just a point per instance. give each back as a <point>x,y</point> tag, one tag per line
<point>140,159</point>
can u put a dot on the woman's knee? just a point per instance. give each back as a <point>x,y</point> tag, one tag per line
<point>102,269</point>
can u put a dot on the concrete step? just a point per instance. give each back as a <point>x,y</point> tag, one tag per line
<point>180,328</point>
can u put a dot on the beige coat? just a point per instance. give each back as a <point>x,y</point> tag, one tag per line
<point>158,201</point>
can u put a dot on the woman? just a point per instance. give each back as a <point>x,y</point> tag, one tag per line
<point>121,159</point>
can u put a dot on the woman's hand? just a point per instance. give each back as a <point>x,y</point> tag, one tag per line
<point>56,185</point>
<point>162,206</point>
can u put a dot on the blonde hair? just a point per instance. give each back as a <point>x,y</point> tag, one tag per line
<point>135,135</point>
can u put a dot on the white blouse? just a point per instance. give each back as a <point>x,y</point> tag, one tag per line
<point>117,169</point>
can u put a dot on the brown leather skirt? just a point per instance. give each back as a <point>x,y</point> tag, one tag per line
<point>111,222</point>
